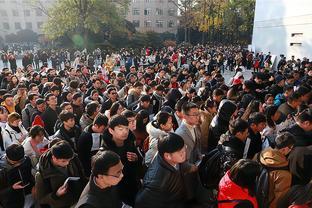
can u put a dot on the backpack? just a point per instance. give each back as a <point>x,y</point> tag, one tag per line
<point>214,166</point>
<point>262,184</point>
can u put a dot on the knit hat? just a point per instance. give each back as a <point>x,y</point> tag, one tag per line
<point>15,152</point>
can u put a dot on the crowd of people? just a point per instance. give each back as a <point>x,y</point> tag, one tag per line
<point>155,128</point>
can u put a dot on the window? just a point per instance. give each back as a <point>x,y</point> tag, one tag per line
<point>2,1</point>
<point>39,25</point>
<point>147,11</point>
<point>15,13</point>
<point>28,25</point>
<point>6,26</point>
<point>295,44</point>
<point>136,11</point>
<point>160,23</point>
<point>147,23</point>
<point>3,13</point>
<point>147,1</point>
<point>17,26</point>
<point>171,12</point>
<point>26,13</point>
<point>159,11</point>
<point>296,34</point>
<point>136,23</point>
<point>170,24</point>
<point>38,12</point>
<point>134,1</point>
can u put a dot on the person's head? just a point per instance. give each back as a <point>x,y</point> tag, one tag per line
<point>99,123</point>
<point>15,154</point>
<point>138,87</point>
<point>117,108</point>
<point>257,122</point>
<point>118,127</point>
<point>51,100</point>
<point>107,168</point>
<point>164,121</point>
<point>294,100</point>
<point>41,104</point>
<point>160,90</point>
<point>92,109</point>
<point>244,173</point>
<point>130,115</point>
<point>8,100</point>
<point>33,88</point>
<point>288,90</point>
<point>145,101</point>
<point>66,106</point>
<point>191,113</point>
<point>218,95</point>
<point>210,106</point>
<point>172,149</point>
<point>97,84</point>
<point>14,119</point>
<point>62,154</point>
<point>178,108</point>
<point>37,133</point>
<point>269,99</point>
<point>142,119</point>
<point>32,99</point>
<point>239,129</point>
<point>272,115</point>
<point>68,119</point>
<point>285,142</point>
<point>3,114</point>
<point>77,99</point>
<point>305,94</point>
<point>94,95</point>
<point>304,120</point>
<point>112,93</point>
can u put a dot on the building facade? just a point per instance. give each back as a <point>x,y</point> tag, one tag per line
<point>154,15</point>
<point>283,27</point>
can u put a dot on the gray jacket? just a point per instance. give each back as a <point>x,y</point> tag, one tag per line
<point>27,113</point>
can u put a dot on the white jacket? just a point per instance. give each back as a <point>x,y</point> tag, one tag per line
<point>10,136</point>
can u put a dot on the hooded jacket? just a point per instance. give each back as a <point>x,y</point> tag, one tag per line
<point>10,136</point>
<point>49,178</point>
<point>228,190</point>
<point>280,180</point>
<point>154,135</point>
<point>220,123</point>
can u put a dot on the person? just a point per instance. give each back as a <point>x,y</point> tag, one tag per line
<point>157,99</point>
<point>13,132</point>
<point>90,141</point>
<point>140,132</point>
<point>16,179</point>
<point>28,111</point>
<point>68,131</point>
<point>55,166</point>
<point>91,111</point>
<point>112,98</point>
<point>144,104</point>
<point>101,191</point>
<point>290,107</point>
<point>239,183</point>
<point>116,138</point>
<point>220,122</point>
<point>157,129</point>
<point>298,196</point>
<point>77,104</point>
<point>36,118</point>
<point>276,161</point>
<point>163,183</point>
<point>50,115</point>
<point>8,103</point>
<point>36,144</point>
<point>134,95</point>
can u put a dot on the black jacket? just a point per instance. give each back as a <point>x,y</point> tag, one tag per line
<point>70,136</point>
<point>50,116</point>
<point>84,147</point>
<point>94,197</point>
<point>129,185</point>
<point>302,137</point>
<point>9,175</point>
<point>255,144</point>
<point>163,186</point>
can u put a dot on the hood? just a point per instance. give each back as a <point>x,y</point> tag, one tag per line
<point>153,131</point>
<point>229,188</point>
<point>273,158</point>
<point>226,109</point>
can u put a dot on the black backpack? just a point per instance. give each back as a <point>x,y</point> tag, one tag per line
<point>263,184</point>
<point>214,166</point>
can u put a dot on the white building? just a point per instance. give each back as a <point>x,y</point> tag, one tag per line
<point>147,15</point>
<point>283,27</point>
<point>154,15</point>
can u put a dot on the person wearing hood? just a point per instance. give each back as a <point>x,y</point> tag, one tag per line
<point>16,179</point>
<point>90,141</point>
<point>275,159</point>
<point>157,129</point>
<point>117,138</point>
<point>55,166</point>
<point>220,123</point>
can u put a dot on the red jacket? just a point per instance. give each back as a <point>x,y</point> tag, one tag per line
<point>228,190</point>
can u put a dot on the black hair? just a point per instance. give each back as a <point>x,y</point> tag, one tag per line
<point>169,144</point>
<point>256,118</point>
<point>269,112</point>
<point>140,125</point>
<point>64,104</point>
<point>295,96</point>
<point>284,139</point>
<point>66,115</point>
<point>36,131</point>
<point>74,84</point>
<point>62,150</point>
<point>102,161</point>
<point>162,118</point>
<point>218,92</point>
<point>47,97</point>
<point>91,108</point>
<point>118,120</point>
<point>238,125</point>
<point>128,114</point>
<point>244,174</point>
<point>110,89</point>
<point>100,120</point>
<point>114,108</point>
<point>187,107</point>
<point>305,115</point>
<point>31,96</point>
<point>5,96</point>
<point>77,95</point>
